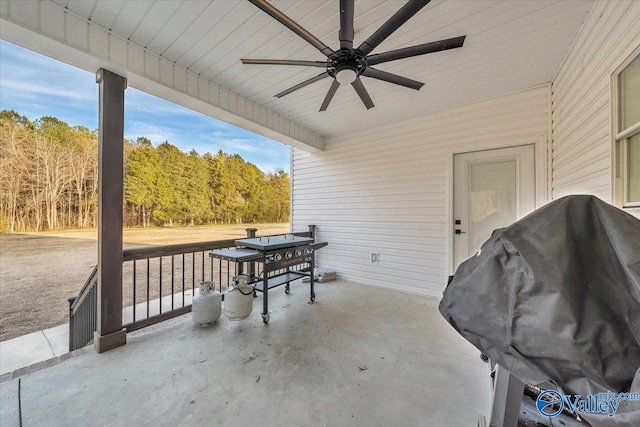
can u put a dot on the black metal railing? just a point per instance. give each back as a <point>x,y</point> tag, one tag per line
<point>83,312</point>
<point>158,283</point>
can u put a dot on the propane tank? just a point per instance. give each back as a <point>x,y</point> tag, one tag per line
<point>238,298</point>
<point>206,306</point>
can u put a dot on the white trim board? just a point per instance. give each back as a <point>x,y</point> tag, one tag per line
<point>540,145</point>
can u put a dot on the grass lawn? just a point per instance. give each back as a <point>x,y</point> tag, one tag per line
<point>38,271</point>
<point>171,235</point>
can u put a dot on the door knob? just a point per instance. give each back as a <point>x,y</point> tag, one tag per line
<point>460,232</point>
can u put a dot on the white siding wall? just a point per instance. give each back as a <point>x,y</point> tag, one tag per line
<point>581,96</point>
<point>384,190</point>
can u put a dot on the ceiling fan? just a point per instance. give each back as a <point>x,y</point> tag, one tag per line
<point>347,64</point>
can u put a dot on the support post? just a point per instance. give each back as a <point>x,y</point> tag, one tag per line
<point>109,331</point>
<point>71,300</point>
<point>507,399</point>
<point>251,233</point>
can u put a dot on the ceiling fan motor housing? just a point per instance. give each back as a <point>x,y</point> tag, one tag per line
<point>346,60</point>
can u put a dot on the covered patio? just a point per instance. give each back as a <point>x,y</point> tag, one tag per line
<point>379,183</point>
<point>357,356</point>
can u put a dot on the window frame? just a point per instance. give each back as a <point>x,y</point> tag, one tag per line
<point>621,139</point>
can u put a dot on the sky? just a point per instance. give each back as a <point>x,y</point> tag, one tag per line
<point>34,86</point>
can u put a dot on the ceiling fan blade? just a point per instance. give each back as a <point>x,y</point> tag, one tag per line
<point>332,91</point>
<point>293,26</point>
<point>284,62</point>
<point>392,78</point>
<point>400,17</point>
<point>362,93</point>
<point>301,85</point>
<point>421,49</point>
<point>346,24</point>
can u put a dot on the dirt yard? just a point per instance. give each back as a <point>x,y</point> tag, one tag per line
<point>38,271</point>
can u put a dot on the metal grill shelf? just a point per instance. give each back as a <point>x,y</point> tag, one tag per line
<point>279,280</point>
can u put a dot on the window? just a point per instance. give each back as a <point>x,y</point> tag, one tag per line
<point>627,131</point>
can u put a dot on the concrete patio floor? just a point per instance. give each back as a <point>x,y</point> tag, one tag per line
<point>359,356</point>
<point>33,348</point>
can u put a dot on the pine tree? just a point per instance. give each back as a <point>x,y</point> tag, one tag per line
<point>198,192</point>
<point>141,180</point>
<point>171,202</point>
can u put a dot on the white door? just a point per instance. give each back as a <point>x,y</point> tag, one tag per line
<point>491,189</point>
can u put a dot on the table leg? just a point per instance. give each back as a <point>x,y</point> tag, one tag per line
<point>313,293</point>
<point>265,296</point>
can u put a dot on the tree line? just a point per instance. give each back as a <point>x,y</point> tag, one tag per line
<point>49,181</point>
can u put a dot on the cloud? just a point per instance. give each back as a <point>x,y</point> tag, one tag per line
<point>242,145</point>
<point>156,133</point>
<point>140,102</point>
<point>36,75</point>
<point>33,90</point>
<point>35,85</point>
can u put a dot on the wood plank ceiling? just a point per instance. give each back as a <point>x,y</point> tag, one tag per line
<point>510,45</point>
